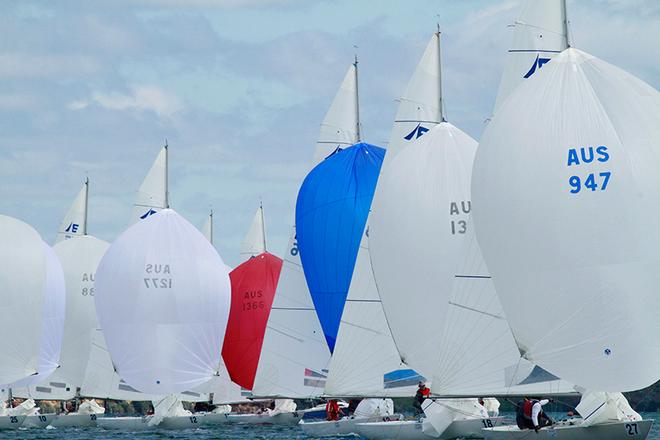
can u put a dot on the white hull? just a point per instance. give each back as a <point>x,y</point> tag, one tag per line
<point>263,419</point>
<point>412,429</point>
<point>39,420</point>
<point>212,419</point>
<point>343,426</point>
<point>571,430</point>
<point>74,420</point>
<point>142,423</point>
<point>11,422</point>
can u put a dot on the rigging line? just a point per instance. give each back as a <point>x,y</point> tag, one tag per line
<point>492,315</point>
<point>481,277</point>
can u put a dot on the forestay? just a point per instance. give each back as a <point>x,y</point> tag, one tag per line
<point>162,279</point>
<point>152,196</point>
<point>74,223</point>
<point>331,214</point>
<point>294,357</point>
<point>365,361</point>
<point>539,34</point>
<point>559,179</point>
<point>23,279</point>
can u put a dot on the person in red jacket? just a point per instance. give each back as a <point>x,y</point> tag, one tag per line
<point>332,410</point>
<point>422,393</point>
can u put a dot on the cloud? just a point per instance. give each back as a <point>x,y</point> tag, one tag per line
<point>141,98</point>
<point>46,65</point>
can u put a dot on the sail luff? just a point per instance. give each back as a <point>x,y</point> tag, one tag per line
<point>357,102</point>
<point>441,104</point>
<point>84,232</point>
<point>167,189</point>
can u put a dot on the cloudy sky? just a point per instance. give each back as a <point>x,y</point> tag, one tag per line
<point>239,88</point>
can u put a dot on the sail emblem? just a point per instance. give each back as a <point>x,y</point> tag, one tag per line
<point>416,133</point>
<point>314,378</point>
<point>607,352</point>
<point>147,214</point>
<point>73,227</point>
<point>538,63</point>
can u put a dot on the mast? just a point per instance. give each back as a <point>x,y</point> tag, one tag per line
<point>211,226</point>
<point>167,189</point>
<point>440,101</point>
<point>263,224</point>
<point>357,101</point>
<point>564,14</point>
<point>86,204</point>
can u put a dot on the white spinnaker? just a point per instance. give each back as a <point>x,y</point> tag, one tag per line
<point>23,277</point>
<point>415,239</point>
<point>254,242</point>
<point>539,34</point>
<point>365,350</point>
<point>162,279</point>
<point>74,223</point>
<point>52,323</point>
<point>295,356</point>
<point>420,107</point>
<point>576,273</point>
<point>152,195</point>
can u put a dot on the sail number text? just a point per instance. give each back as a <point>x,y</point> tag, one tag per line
<point>252,300</point>
<point>158,276</point>
<point>592,181</point>
<point>87,288</point>
<point>459,225</point>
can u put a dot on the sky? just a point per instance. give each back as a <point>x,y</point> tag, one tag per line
<point>239,88</point>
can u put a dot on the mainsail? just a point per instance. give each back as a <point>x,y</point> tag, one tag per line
<point>294,357</point>
<point>74,223</point>
<point>254,242</point>
<point>163,280</point>
<point>365,361</point>
<point>539,34</point>
<point>152,196</point>
<point>331,214</point>
<point>559,179</point>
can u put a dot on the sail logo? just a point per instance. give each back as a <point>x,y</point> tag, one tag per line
<point>416,133</point>
<point>72,228</point>
<point>538,63</point>
<point>587,155</point>
<point>147,214</point>
<point>314,378</point>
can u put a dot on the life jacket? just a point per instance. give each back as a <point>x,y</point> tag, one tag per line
<point>527,408</point>
<point>332,410</point>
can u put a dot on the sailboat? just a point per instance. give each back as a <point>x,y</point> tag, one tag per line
<point>466,348</point>
<point>584,133</point>
<point>294,357</point>
<point>26,286</point>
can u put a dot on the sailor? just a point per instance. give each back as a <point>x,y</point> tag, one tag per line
<point>332,410</point>
<point>530,415</point>
<point>422,393</point>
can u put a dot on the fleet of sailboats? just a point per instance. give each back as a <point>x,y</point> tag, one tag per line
<point>515,266</point>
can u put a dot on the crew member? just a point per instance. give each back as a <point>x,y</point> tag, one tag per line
<point>422,393</point>
<point>332,410</point>
<point>530,415</point>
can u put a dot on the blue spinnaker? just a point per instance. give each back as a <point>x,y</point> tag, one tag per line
<point>331,214</point>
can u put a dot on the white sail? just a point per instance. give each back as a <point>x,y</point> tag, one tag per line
<point>207,228</point>
<point>153,193</point>
<point>23,278</point>
<point>295,357</point>
<point>74,223</point>
<point>254,242</point>
<point>163,280</point>
<point>52,324</point>
<point>420,107</point>
<point>539,34</point>
<point>566,196</point>
<point>365,361</point>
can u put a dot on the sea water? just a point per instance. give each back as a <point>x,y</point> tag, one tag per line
<point>222,432</point>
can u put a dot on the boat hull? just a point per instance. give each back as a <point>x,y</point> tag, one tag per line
<point>212,419</point>
<point>11,422</point>
<point>344,426</point>
<point>572,430</point>
<point>413,429</point>
<point>291,418</point>
<point>39,420</point>
<point>75,421</point>
<point>142,423</point>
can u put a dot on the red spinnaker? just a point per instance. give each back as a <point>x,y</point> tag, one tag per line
<point>253,286</point>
